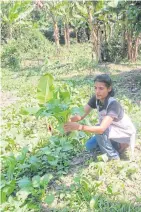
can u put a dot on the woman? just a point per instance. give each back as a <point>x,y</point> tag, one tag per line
<point>115,131</point>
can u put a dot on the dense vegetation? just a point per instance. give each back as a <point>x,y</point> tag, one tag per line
<point>47,78</point>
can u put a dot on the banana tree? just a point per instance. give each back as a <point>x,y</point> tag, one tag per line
<point>94,13</point>
<point>77,20</point>
<point>54,102</point>
<point>133,29</point>
<point>67,15</point>
<point>53,8</point>
<point>89,10</point>
<point>128,23</point>
<point>65,12</point>
<point>13,13</point>
<point>77,24</point>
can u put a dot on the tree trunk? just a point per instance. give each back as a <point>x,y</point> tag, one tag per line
<point>104,45</point>
<point>76,35</point>
<point>66,35</point>
<point>99,44</point>
<point>124,50</point>
<point>129,46</point>
<point>136,49</point>
<point>56,35</point>
<point>95,37</point>
<point>133,45</point>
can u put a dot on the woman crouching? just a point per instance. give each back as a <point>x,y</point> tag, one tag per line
<point>115,131</point>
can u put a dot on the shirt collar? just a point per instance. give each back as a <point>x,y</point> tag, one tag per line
<point>105,103</point>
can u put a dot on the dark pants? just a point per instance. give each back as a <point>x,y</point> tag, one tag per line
<point>106,145</point>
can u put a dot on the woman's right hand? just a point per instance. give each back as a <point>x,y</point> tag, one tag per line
<point>75,118</point>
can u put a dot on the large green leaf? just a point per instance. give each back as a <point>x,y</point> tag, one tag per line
<point>46,150</point>
<point>24,182</point>
<point>18,9</point>
<point>45,89</point>
<point>82,9</point>
<point>62,117</point>
<point>22,156</point>
<point>7,190</point>
<point>49,199</point>
<point>52,160</point>
<point>64,95</point>
<point>35,162</point>
<point>11,163</point>
<point>2,197</point>
<point>99,5</point>
<point>67,147</point>
<point>45,179</point>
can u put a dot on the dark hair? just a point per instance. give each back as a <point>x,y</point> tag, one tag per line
<point>107,80</point>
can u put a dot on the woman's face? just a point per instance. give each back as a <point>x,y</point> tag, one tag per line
<point>101,91</point>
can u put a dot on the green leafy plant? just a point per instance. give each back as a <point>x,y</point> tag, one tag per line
<point>53,101</point>
<point>11,57</point>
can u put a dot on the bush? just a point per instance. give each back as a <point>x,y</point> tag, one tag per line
<point>116,51</point>
<point>11,56</point>
<point>117,45</point>
<point>34,43</point>
<point>31,44</point>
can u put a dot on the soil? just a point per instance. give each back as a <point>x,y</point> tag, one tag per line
<point>7,98</point>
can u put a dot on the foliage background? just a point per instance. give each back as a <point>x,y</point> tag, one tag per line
<point>43,169</point>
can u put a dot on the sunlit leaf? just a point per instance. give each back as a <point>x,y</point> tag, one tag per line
<point>46,179</point>
<point>7,190</point>
<point>45,88</point>
<point>93,203</point>
<point>49,199</point>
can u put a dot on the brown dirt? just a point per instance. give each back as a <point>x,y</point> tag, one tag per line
<point>7,98</point>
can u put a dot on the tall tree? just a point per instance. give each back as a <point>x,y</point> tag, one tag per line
<point>133,29</point>
<point>90,10</point>
<point>66,15</point>
<point>53,10</point>
<point>13,13</point>
<point>129,17</point>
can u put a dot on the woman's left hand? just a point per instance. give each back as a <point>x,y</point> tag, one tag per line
<point>70,126</point>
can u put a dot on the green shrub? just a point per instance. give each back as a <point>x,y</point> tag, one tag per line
<point>33,43</point>
<point>11,56</point>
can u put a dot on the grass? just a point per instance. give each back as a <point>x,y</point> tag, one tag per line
<point>79,182</point>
